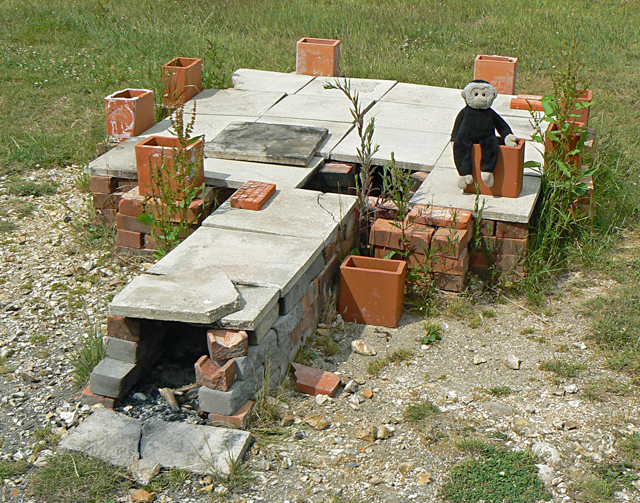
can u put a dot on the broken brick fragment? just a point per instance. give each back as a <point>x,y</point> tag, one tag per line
<point>227,344</point>
<point>237,420</point>
<point>123,328</point>
<point>315,381</point>
<point>89,398</point>
<point>212,375</point>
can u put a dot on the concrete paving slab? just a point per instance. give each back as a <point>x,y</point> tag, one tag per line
<point>211,125</point>
<point>256,311</point>
<point>414,117</point>
<point>195,295</point>
<point>233,102</point>
<point>442,97</point>
<point>120,161</point>
<point>440,189</point>
<point>314,107</point>
<point>234,174</point>
<point>290,212</point>
<point>262,142</point>
<point>199,449</point>
<point>259,80</point>
<point>367,89</point>
<point>106,435</point>
<point>248,258</point>
<point>531,153</point>
<point>336,131</point>
<point>413,149</point>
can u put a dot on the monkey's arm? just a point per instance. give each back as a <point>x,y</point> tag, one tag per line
<point>456,126</point>
<point>500,124</point>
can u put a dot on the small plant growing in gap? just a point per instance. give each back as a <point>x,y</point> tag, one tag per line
<point>503,390</point>
<point>562,368</point>
<point>173,187</point>
<point>420,411</point>
<point>433,332</point>
<point>87,355</point>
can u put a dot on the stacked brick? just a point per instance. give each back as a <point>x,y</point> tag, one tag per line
<point>106,194</point>
<point>503,247</point>
<point>432,239</point>
<point>134,236</point>
<point>133,346</point>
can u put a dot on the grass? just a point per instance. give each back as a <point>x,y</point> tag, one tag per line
<point>375,365</point>
<point>19,187</point>
<point>420,411</point>
<point>562,368</point>
<point>495,476</point>
<point>76,477</point>
<point>501,390</point>
<point>11,468</point>
<point>87,355</point>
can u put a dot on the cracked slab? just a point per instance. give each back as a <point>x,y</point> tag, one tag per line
<point>291,212</point>
<point>190,296</point>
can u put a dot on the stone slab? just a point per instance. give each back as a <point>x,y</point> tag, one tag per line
<point>336,130</point>
<point>199,449</point>
<point>259,80</point>
<point>291,212</point>
<point>414,117</point>
<point>440,189</point>
<point>258,308</point>
<point>120,161</point>
<point>234,174</point>
<point>233,102</point>
<point>314,107</point>
<point>106,435</point>
<point>531,153</point>
<point>194,295</point>
<point>368,89</point>
<point>261,142</point>
<point>418,150</point>
<point>248,258</point>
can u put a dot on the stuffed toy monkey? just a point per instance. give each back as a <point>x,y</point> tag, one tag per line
<point>477,123</point>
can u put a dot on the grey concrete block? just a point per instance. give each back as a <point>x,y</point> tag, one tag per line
<point>286,323</point>
<point>113,378</point>
<point>256,336</point>
<point>315,268</point>
<point>120,349</point>
<point>107,435</point>
<point>190,296</point>
<point>226,402</point>
<point>299,290</point>
<point>195,448</point>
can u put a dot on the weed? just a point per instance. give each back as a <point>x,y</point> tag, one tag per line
<point>596,490</point>
<point>527,331</point>
<point>324,343</point>
<point>562,368</point>
<point>6,227</point>
<point>37,338</point>
<point>471,445</point>
<point>498,435</point>
<point>501,390</point>
<point>433,332</point>
<point>239,477</point>
<point>631,446</point>
<point>563,348</point>
<point>400,355</point>
<point>375,366</point>
<point>265,412</point>
<point>415,413</point>
<point>11,468</point>
<point>304,356</point>
<point>87,355</point>
<point>597,390</point>
<point>76,477</point>
<point>460,307</point>
<point>21,187</point>
<point>330,306</point>
<point>475,321</point>
<point>494,477</point>
<point>488,313</point>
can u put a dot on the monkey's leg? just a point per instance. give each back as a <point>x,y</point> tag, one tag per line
<point>490,149</point>
<point>462,159</point>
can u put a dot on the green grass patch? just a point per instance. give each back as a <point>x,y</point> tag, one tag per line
<point>11,468</point>
<point>21,187</point>
<point>76,477</point>
<point>87,355</point>
<point>375,365</point>
<point>7,227</point>
<point>495,476</point>
<point>562,368</point>
<point>500,390</point>
<point>420,411</point>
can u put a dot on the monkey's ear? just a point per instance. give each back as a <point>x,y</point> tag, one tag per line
<point>464,95</point>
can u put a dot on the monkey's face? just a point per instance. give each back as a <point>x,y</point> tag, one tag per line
<point>479,95</point>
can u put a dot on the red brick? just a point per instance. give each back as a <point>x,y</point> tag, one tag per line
<point>420,176</point>
<point>452,266</point>
<point>315,381</point>
<point>129,239</point>
<point>310,318</point>
<point>449,282</point>
<point>238,420</point>
<point>212,375</point>
<point>132,203</point>
<point>109,215</point>
<point>89,398</point>
<point>451,242</point>
<point>311,296</point>
<point>419,238</point>
<point>329,251</point>
<point>296,334</point>
<point>125,251</point>
<point>436,216</point>
<point>126,185</point>
<point>382,209</point>
<point>338,175</point>
<point>104,184</point>
<point>511,230</point>
<point>129,223</point>
<point>226,344</point>
<point>253,195</point>
<point>103,201</point>
<point>488,227</point>
<point>150,243</point>
<point>386,233</point>
<point>508,263</point>
<point>124,328</point>
<point>507,246</point>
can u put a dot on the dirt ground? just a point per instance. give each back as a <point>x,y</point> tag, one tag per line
<point>55,290</point>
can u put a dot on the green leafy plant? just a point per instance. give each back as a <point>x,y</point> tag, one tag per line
<point>87,355</point>
<point>433,332</point>
<point>562,368</point>
<point>174,187</point>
